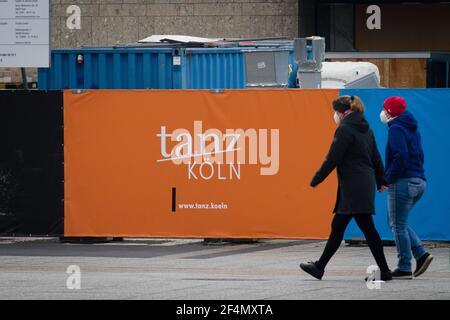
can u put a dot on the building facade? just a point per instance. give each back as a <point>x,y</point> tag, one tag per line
<point>76,23</point>
<point>108,22</point>
<point>349,26</point>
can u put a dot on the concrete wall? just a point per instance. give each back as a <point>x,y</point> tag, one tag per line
<point>108,22</point>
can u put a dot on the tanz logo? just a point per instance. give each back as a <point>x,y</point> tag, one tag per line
<point>216,154</point>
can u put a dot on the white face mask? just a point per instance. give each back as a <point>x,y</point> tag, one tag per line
<point>383,117</point>
<point>337,119</point>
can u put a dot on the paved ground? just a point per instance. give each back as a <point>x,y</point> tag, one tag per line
<point>187,269</point>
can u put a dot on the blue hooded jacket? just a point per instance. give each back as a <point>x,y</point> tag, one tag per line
<point>404,153</point>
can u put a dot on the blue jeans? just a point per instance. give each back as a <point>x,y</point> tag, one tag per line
<point>402,196</point>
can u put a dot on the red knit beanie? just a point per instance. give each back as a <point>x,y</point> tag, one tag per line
<point>394,105</point>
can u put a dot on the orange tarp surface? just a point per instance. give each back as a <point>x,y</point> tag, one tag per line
<point>197,164</point>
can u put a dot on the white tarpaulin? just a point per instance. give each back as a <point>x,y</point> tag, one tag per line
<point>177,38</point>
<point>338,74</point>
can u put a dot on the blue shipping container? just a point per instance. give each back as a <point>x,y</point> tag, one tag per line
<point>108,68</point>
<point>148,68</point>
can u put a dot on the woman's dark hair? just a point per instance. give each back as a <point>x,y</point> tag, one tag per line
<point>344,103</point>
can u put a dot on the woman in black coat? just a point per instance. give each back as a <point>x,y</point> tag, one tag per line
<point>359,168</point>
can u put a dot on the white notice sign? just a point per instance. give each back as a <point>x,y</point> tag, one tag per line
<point>24,33</point>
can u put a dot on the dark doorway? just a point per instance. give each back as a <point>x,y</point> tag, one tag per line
<point>438,73</point>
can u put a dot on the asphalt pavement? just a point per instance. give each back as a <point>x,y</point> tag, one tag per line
<point>189,269</point>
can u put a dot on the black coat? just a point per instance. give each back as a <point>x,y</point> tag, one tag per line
<point>359,166</point>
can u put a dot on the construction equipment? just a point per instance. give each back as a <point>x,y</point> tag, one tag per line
<point>309,62</point>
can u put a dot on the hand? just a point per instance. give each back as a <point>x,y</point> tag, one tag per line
<point>383,188</point>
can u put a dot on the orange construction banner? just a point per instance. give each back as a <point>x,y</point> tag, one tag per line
<point>197,164</point>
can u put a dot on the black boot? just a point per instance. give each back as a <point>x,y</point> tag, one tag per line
<point>312,269</point>
<point>422,264</point>
<point>384,276</point>
<point>399,274</point>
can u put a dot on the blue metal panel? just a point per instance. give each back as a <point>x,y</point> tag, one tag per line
<point>57,72</point>
<point>430,217</point>
<point>117,79</point>
<point>43,77</point>
<point>87,71</point>
<point>162,77</point>
<point>145,68</point>
<point>108,68</point>
<point>72,70</point>
<point>214,68</point>
<point>178,69</point>
<point>132,76</point>
<point>102,71</point>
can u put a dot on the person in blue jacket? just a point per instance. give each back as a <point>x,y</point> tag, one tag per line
<point>405,176</point>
